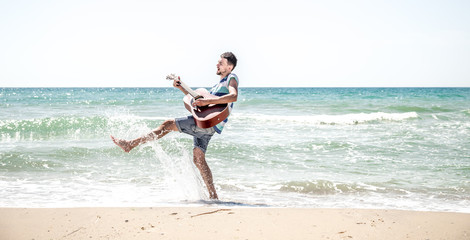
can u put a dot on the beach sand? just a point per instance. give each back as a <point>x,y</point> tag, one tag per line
<point>229,223</point>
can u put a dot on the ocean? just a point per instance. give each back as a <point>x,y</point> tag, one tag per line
<point>387,148</point>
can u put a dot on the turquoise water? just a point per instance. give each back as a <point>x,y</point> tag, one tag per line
<point>393,148</point>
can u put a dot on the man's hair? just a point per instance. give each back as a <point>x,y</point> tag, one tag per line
<point>230,58</point>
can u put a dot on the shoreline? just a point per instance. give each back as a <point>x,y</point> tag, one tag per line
<point>226,222</point>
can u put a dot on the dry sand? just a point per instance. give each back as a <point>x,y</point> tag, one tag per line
<point>229,223</point>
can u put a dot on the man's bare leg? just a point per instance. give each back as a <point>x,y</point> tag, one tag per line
<point>199,158</point>
<point>198,155</point>
<point>159,132</point>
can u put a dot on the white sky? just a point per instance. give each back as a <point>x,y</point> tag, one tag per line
<point>295,43</point>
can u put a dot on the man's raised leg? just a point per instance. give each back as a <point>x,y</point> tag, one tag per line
<point>159,132</point>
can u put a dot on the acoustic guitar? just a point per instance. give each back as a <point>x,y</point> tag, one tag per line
<point>205,116</point>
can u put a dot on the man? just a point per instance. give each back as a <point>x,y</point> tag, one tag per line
<point>226,91</point>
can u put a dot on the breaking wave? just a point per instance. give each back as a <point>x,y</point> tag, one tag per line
<point>321,187</point>
<point>70,126</point>
<point>344,119</point>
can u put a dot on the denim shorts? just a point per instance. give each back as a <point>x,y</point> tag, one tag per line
<point>201,136</point>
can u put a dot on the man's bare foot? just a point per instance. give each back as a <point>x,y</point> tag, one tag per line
<point>213,196</point>
<point>125,145</point>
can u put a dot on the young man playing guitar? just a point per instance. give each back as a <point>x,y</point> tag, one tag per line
<point>224,92</point>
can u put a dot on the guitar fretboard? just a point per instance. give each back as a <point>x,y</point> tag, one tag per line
<point>185,87</point>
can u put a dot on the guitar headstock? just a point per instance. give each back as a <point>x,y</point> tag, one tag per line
<point>172,77</point>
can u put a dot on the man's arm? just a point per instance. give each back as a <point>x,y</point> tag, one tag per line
<point>176,84</point>
<point>228,98</point>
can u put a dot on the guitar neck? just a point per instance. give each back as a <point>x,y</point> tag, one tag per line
<point>189,90</point>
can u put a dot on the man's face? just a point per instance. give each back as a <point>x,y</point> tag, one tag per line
<point>223,68</point>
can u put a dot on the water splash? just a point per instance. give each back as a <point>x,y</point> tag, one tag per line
<point>182,178</point>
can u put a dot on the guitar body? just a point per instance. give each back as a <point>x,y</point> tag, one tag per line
<point>206,116</point>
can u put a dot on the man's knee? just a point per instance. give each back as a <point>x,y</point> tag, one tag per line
<point>170,125</point>
<point>198,155</point>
